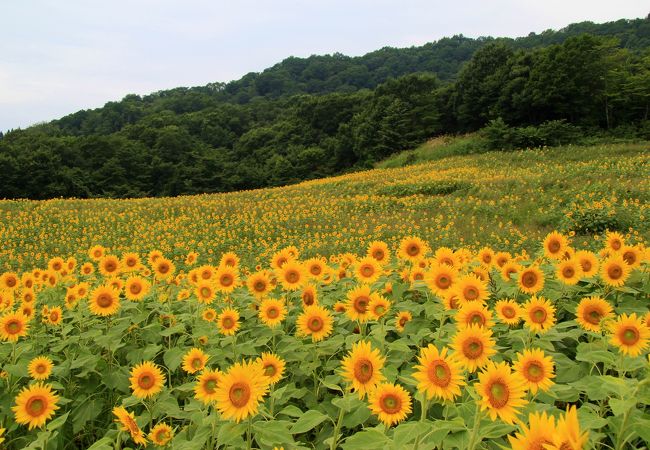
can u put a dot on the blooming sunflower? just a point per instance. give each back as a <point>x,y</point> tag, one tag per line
<point>502,391</point>
<point>412,248</point>
<point>614,271</point>
<point>390,402</point>
<point>555,245</point>
<point>127,422</point>
<point>539,314</point>
<point>272,312</point>
<point>379,251</point>
<point>315,268</point>
<point>40,368</point>
<point>272,367</point>
<point>291,275</point>
<point>509,270</point>
<point>569,271</point>
<point>591,311</point>
<point>96,252</point>
<point>240,390</point>
<point>161,434</point>
<point>35,405</point>
<point>567,433</point>
<point>358,301</point>
<point>229,259</point>
<point>194,360</point>
<point>9,281</point>
<point>205,389</point>
<point>226,279</point>
<point>13,325</point>
<point>109,266</point>
<point>315,321</point>
<point>536,368</point>
<point>629,334</point>
<point>280,258</point>
<point>445,255</point>
<point>440,278</point>
<point>205,292</point>
<point>309,295</point>
<point>340,307</point>
<point>588,262</point>
<point>228,321</point>
<point>209,315</point>
<point>130,262</point>
<point>474,313</point>
<point>163,268</point>
<point>631,255</point>
<point>259,284</point>
<point>537,435</point>
<point>486,256</point>
<point>104,301</point>
<point>55,316</point>
<point>438,374</point>
<point>531,280</point>
<point>362,367</point>
<point>146,380</point>
<point>474,346</point>
<point>508,312</point>
<point>136,288</point>
<point>367,270</point>
<point>378,306</point>
<point>614,241</point>
<point>470,288</point>
<point>403,317</point>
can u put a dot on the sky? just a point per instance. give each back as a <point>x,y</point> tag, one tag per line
<point>60,56</point>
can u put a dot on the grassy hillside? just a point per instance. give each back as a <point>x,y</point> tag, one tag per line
<point>508,200</point>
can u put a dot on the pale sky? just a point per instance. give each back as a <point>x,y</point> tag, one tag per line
<point>60,56</point>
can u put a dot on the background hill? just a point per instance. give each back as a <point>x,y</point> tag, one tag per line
<point>312,117</point>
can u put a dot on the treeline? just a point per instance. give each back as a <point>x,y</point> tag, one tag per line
<point>308,118</point>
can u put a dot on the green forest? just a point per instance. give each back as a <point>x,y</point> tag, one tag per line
<point>308,118</point>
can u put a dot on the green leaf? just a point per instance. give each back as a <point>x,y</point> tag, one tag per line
<point>347,402</point>
<point>173,357</point>
<point>367,439</point>
<point>308,421</point>
<point>272,433</point>
<point>58,422</point>
<point>102,444</point>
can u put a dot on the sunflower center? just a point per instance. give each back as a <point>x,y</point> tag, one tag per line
<point>471,293</point>
<point>315,324</point>
<point>130,262</point>
<point>391,404</point>
<point>163,268</point>
<point>378,254</point>
<point>367,270</point>
<point>508,312</point>
<point>498,394</point>
<point>110,266</point>
<point>593,317</point>
<point>363,370</point>
<point>205,292</point>
<point>259,286</point>
<point>568,272</point>
<point>228,322</point>
<point>539,444</point>
<point>197,363</point>
<point>529,279</point>
<point>534,371</point>
<point>146,381</point>
<point>476,318</point>
<point>473,348</point>
<point>629,257</point>
<point>282,261</point>
<point>402,321</point>
<point>239,394</point>
<point>443,282</point>
<point>615,272</point>
<point>40,369</point>
<point>586,265</point>
<point>13,326</point>
<point>292,276</point>
<point>554,246</point>
<point>538,315</point>
<point>307,298</point>
<point>270,370</point>
<point>226,280</point>
<point>210,386</point>
<point>361,304</point>
<point>272,312</point>
<point>104,300</point>
<point>616,244</point>
<point>36,406</point>
<point>54,316</point>
<point>439,373</point>
<point>135,288</point>
<point>413,250</point>
<point>379,310</point>
<point>629,336</point>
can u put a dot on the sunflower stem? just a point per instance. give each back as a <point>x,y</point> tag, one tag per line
<point>337,427</point>
<point>249,439</point>
<point>424,402</point>
<point>477,422</point>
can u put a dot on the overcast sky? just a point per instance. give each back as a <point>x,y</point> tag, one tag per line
<point>60,56</point>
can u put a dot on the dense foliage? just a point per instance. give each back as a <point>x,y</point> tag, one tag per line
<point>312,117</point>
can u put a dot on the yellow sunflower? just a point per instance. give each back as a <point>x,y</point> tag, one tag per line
<point>614,271</point>
<point>539,314</point>
<point>272,367</point>
<point>536,368</point>
<point>631,255</point>
<point>209,315</point>
<point>104,301</point>
<point>438,374</point>
<point>537,435</point>
<point>226,279</point>
<point>229,259</point>
<point>614,241</point>
<point>136,288</point>
<point>588,262</point>
<point>362,367</point>
<point>205,292</point>
<point>292,275</point>
<point>279,259</point>
<point>315,321</point>
<point>629,334</point>
<point>163,268</point>
<point>87,269</point>
<point>403,317</point>
<point>567,433</point>
<point>35,405</point>
<point>473,346</point>
<point>379,251</point>
<point>13,325</point>
<point>474,313</point>
<point>161,434</point>
<point>96,252</point>
<point>509,270</point>
<point>55,316</point>
<point>531,280</point>
<point>470,288</point>
<point>205,389</point>
<point>130,262</point>
<point>502,391</point>
<point>40,368</point>
<point>309,295</point>
<point>358,301</point>
<point>146,380</point>
<point>127,422</point>
<point>390,402</point>
<point>501,258</point>
<point>591,311</point>
<point>569,271</point>
<point>259,284</point>
<point>228,322</point>
<point>486,256</point>
<point>240,390</point>
<point>367,270</point>
<point>378,306</point>
<point>440,278</point>
<point>508,312</point>
<point>194,360</point>
<point>412,248</point>
<point>272,312</point>
<point>315,268</point>
<point>555,245</point>
<point>109,266</point>
<point>445,255</point>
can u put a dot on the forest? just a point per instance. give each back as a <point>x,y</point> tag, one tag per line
<point>307,118</point>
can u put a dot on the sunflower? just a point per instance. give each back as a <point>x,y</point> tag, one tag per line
<point>272,312</point>
<point>309,295</point>
<point>315,321</point>
<point>104,301</point>
<point>450,301</point>
<point>96,252</point>
<point>531,280</point>
<point>146,380</point>
<point>416,274</point>
<point>6,300</point>
<point>13,325</point>
<point>614,271</point>
<point>445,255</point>
<point>194,360</point>
<point>340,307</point>
<point>130,262</point>
<point>614,241</point>
<point>403,317</point>
<point>161,434</point>
<point>226,279</point>
<point>474,346</point>
<point>509,270</point>
<point>87,269</point>
<point>412,248</point>
<point>508,312</point>
<point>27,310</point>
<point>486,256</point>
<point>588,262</point>
<point>629,334</point>
<point>438,374</point>
<point>209,315</point>
<point>229,259</point>
<point>315,268</point>
<point>362,367</point>
<point>259,284</point>
<point>379,251</point>
<point>501,390</point>
<point>272,367</point>
<point>358,301</point>
<point>240,390</point>
<point>136,288</point>
<point>205,389</point>
<point>55,316</point>
<point>440,278</point>
<point>163,268</point>
<point>470,288</point>
<point>228,322</point>
<point>474,313</point>
<point>536,368</point>
<point>555,245</point>
<point>569,271</point>
<point>501,258</point>
<point>567,434</point>
<point>280,258</point>
<point>127,422</point>
<point>378,306</point>
<point>538,435</point>
<point>367,270</point>
<point>205,272</point>
<point>40,368</point>
<point>390,402</point>
<point>591,311</point>
<point>631,255</point>
<point>35,405</point>
<point>292,275</point>
<point>9,281</point>
<point>205,292</point>
<point>539,314</point>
